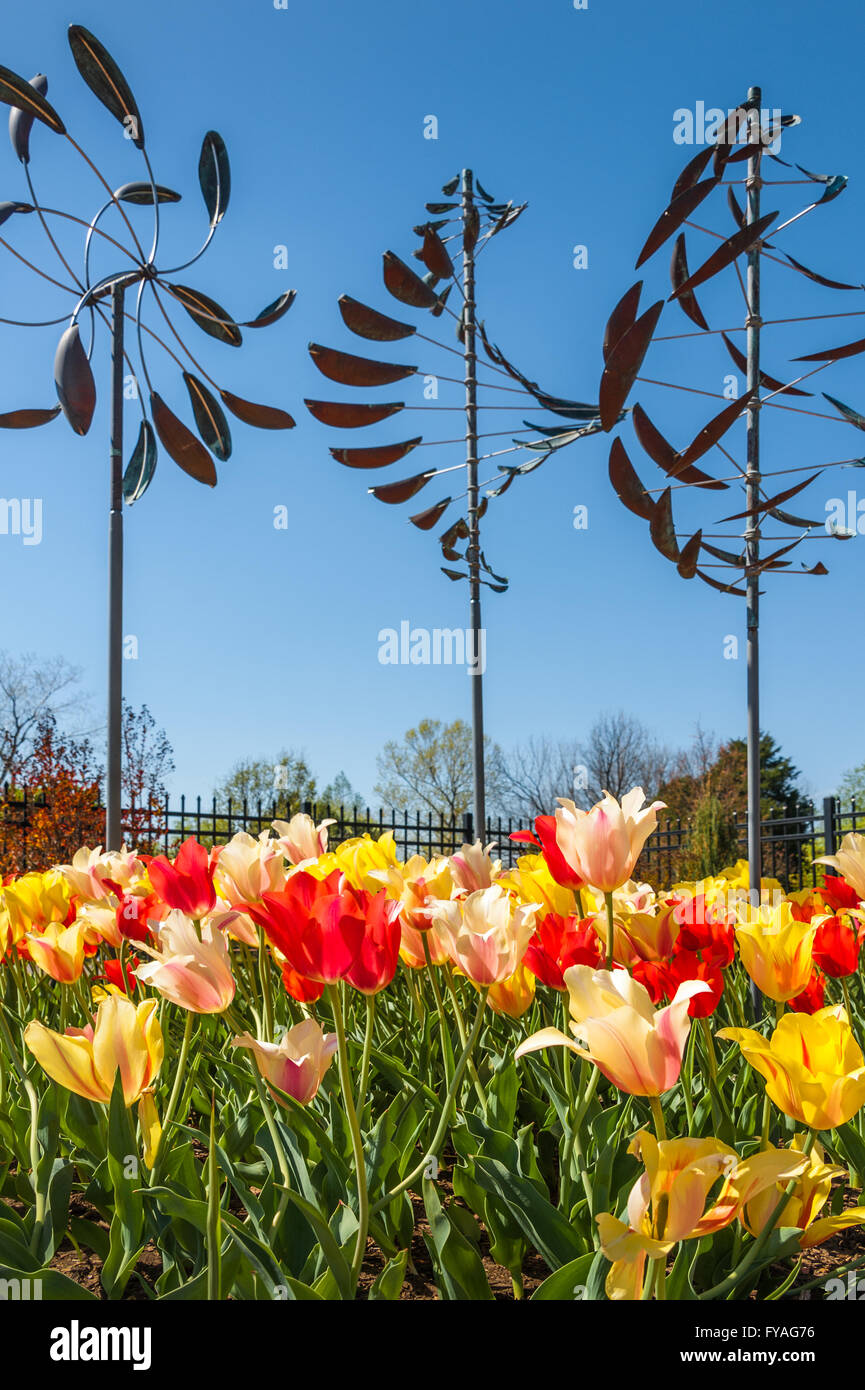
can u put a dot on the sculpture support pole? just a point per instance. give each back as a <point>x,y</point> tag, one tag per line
<point>752,535</point>
<point>476,657</point>
<point>113,833</point>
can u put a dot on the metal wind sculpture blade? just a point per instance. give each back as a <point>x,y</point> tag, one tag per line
<point>474,218</point>
<point>73,371</point>
<point>629,335</point>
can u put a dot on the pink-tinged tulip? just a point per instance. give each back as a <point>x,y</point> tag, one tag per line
<point>315,923</point>
<point>297,1064</point>
<point>412,947</point>
<point>125,1038</point>
<point>247,867</point>
<point>604,844</point>
<point>187,884</point>
<point>192,971</point>
<point>417,884</point>
<point>636,1047</point>
<point>486,934</point>
<point>93,875</point>
<point>565,874</point>
<point>472,868</point>
<point>300,839</point>
<point>59,951</point>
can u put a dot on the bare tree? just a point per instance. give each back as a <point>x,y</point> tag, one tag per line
<point>620,753</point>
<point>31,691</point>
<point>536,774</point>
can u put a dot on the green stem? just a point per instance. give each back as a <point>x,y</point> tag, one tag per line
<point>608,899</point>
<point>367,1047</point>
<point>174,1097</point>
<point>433,1148</point>
<point>214,1216</point>
<point>447,1050</point>
<point>266,992</point>
<point>658,1117</point>
<point>657,1278</point>
<point>461,1028</point>
<point>363,1212</point>
<point>706,1031</point>
<point>33,1098</point>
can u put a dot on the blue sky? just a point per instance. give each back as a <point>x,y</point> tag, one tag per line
<point>251,638</point>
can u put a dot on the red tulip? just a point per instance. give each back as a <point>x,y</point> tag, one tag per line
<point>837,893</point>
<point>114,974</point>
<point>187,884</point>
<point>836,947</point>
<point>545,839</point>
<point>317,929</point>
<point>687,965</point>
<point>705,929</point>
<point>558,943</point>
<point>377,961</point>
<point>134,913</point>
<point>303,990</point>
<point>810,1001</point>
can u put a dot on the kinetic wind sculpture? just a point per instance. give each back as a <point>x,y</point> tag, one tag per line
<point>475,218</point>
<point>627,340</point>
<point>74,377</point>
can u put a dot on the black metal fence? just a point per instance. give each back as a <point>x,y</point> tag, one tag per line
<point>792,837</point>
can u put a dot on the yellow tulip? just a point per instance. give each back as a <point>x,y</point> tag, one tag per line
<point>515,995</point>
<point>417,885</point>
<point>667,1204</point>
<point>125,1038</point>
<point>59,952</point>
<point>814,1068</point>
<point>776,950</point>
<point>34,901</point>
<point>360,857</point>
<point>531,882</point>
<point>809,1196</point>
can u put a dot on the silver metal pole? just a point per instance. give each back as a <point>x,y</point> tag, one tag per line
<point>115,581</point>
<point>752,535</point>
<point>473,548</point>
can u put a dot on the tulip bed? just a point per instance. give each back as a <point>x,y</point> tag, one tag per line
<point>278,1070</point>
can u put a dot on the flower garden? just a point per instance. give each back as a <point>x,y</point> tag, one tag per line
<point>282,1070</point>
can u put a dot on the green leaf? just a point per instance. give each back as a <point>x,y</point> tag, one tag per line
<point>55,1287</point>
<point>563,1285</point>
<point>388,1285</point>
<point>459,1267</point>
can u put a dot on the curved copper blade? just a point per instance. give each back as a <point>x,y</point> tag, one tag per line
<point>819,568</point>
<point>773,501</point>
<point>690,555</point>
<point>678,277</point>
<point>263,417</point>
<point>181,444</point>
<point>369,323</point>
<point>425,521</point>
<point>727,556</point>
<point>435,256</point>
<point>349,370</point>
<point>722,588</point>
<point>834,354</point>
<point>847,411</point>
<point>772,559</point>
<point>377,457</point>
<point>453,574</point>
<point>820,279</point>
<point>622,318</point>
<point>673,216</point>
<point>726,253</point>
<point>624,363</point>
<point>662,528</point>
<point>345,415</point>
<point>458,532</point>
<point>402,282</point>
<point>472,228</point>
<point>741,362</point>
<point>659,449</point>
<point>482,509</point>
<point>715,430</point>
<point>735,207</point>
<point>628,487</point>
<point>691,172</point>
<point>273,312</point>
<point>402,491</point>
<point>28,419</point>
<point>210,316</point>
<point>788,520</point>
<point>662,453</point>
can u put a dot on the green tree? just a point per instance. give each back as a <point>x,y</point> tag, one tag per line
<point>430,769</point>
<point>852,785</point>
